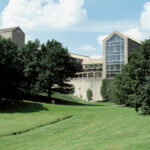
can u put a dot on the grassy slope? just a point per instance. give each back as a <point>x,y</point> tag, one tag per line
<point>102,127</point>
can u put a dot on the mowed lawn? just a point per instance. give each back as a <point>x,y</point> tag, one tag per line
<point>90,126</point>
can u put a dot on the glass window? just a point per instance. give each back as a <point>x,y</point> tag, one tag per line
<point>114,55</point>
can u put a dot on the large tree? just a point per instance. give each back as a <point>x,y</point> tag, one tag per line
<point>133,83</point>
<point>55,66</point>
<point>10,69</point>
<point>30,57</point>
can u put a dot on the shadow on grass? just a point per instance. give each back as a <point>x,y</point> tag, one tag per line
<point>25,107</point>
<point>36,127</point>
<point>58,101</point>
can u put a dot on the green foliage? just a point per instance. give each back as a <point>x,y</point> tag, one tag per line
<point>73,89</point>
<point>10,70</point>
<point>33,68</point>
<point>89,94</point>
<point>55,66</point>
<point>30,57</point>
<point>106,89</point>
<point>133,83</point>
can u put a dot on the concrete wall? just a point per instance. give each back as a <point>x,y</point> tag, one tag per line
<point>83,84</point>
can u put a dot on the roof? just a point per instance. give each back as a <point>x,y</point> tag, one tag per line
<point>92,61</point>
<point>8,29</point>
<point>122,35</point>
<point>78,56</point>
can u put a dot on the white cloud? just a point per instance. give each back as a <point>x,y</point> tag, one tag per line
<point>145,16</point>
<point>135,33</point>
<point>86,48</point>
<point>43,14</point>
<point>96,56</point>
<point>100,39</point>
<point>29,38</point>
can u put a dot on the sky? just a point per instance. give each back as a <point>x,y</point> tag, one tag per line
<point>80,25</point>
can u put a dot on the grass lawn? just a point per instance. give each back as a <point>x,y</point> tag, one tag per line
<point>78,126</point>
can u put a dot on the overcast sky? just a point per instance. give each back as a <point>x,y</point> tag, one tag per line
<point>80,25</point>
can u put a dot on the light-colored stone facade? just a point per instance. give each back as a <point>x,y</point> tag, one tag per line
<point>88,76</point>
<point>83,84</point>
<point>91,77</point>
<point>15,34</point>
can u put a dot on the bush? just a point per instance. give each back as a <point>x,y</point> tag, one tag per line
<point>73,89</point>
<point>89,94</point>
<point>107,89</point>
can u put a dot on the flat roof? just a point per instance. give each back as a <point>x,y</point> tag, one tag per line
<point>92,61</point>
<point>78,56</point>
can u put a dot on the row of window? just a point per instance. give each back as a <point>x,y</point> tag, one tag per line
<point>115,58</point>
<point>116,67</point>
<point>110,76</point>
<point>114,48</point>
<point>93,66</point>
<point>114,55</point>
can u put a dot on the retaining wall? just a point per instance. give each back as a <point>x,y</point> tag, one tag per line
<point>83,84</point>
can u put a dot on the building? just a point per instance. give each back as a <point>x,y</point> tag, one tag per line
<point>87,67</point>
<point>88,76</point>
<point>15,34</point>
<point>91,68</point>
<point>116,50</point>
<point>78,59</point>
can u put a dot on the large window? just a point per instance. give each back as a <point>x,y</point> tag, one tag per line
<point>114,55</point>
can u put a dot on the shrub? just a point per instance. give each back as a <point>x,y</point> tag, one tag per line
<point>89,94</point>
<point>73,89</point>
<point>107,89</point>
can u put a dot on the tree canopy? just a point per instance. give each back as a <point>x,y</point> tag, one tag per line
<point>132,85</point>
<point>55,66</point>
<point>33,68</point>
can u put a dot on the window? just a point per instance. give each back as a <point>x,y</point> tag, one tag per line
<point>114,55</point>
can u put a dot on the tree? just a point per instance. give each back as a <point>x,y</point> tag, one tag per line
<point>55,67</point>
<point>10,70</point>
<point>142,73</point>
<point>30,57</point>
<point>106,89</point>
<point>133,83</point>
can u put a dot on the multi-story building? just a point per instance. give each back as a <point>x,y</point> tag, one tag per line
<point>117,48</point>
<point>87,67</point>
<point>15,34</point>
<point>78,59</point>
<point>88,76</point>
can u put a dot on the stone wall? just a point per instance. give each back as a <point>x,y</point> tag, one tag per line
<point>18,37</point>
<point>83,84</point>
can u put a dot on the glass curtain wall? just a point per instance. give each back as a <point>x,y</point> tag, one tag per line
<point>114,55</point>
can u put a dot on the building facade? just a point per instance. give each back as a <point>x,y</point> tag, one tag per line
<point>88,76</point>
<point>87,67</point>
<point>15,34</point>
<point>116,50</point>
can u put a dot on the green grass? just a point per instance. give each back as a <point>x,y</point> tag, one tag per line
<point>101,126</point>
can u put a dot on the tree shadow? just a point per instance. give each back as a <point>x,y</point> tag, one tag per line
<point>58,101</point>
<point>25,107</point>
